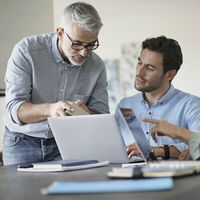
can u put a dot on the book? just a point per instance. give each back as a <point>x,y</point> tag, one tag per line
<point>156,169</point>
<point>110,186</point>
<point>77,110</point>
<point>64,165</point>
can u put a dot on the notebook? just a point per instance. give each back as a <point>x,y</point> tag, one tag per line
<point>98,137</point>
<point>111,186</point>
<point>174,168</point>
<point>61,166</point>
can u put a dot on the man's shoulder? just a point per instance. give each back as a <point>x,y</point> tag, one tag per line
<point>186,99</point>
<point>185,96</point>
<point>36,42</point>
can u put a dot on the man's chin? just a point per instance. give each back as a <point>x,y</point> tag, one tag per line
<point>136,87</point>
<point>77,62</point>
<point>141,89</point>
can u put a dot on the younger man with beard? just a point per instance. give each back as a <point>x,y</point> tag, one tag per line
<point>158,64</point>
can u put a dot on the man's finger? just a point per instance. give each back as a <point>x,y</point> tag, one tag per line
<point>153,121</point>
<point>154,136</point>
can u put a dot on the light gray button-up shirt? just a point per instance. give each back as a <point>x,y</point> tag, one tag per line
<point>37,73</point>
<point>176,107</point>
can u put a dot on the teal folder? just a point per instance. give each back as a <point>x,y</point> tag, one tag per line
<point>109,186</point>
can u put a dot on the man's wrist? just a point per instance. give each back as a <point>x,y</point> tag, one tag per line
<point>166,151</point>
<point>158,151</point>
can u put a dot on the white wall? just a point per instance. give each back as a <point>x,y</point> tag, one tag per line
<point>19,19</point>
<point>133,21</point>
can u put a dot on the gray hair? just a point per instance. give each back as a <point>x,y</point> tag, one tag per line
<point>83,14</point>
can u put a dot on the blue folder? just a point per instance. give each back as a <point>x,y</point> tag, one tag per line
<point>109,186</point>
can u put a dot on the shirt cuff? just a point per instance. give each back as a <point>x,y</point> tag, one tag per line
<point>14,110</point>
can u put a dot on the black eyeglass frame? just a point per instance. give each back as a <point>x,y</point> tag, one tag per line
<point>78,46</point>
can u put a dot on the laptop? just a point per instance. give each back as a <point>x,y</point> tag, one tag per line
<point>101,137</point>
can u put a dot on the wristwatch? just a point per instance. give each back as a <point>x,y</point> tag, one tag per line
<point>166,151</point>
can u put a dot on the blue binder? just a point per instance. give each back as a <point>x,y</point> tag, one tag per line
<point>109,186</point>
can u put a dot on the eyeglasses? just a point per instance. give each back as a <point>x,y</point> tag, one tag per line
<point>79,46</point>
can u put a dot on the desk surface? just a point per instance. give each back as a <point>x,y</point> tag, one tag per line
<point>16,185</point>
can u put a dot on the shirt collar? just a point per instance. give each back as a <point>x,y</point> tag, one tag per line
<point>164,98</point>
<point>56,54</point>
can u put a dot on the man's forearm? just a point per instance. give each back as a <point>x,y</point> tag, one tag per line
<point>183,135</point>
<point>31,113</point>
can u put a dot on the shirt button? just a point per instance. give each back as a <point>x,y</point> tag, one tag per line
<point>147,132</point>
<point>149,113</point>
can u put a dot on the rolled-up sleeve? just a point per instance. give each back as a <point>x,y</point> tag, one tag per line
<point>18,87</point>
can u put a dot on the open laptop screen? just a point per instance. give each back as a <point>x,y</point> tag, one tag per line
<point>131,131</point>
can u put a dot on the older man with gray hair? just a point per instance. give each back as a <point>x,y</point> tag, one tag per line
<point>45,73</point>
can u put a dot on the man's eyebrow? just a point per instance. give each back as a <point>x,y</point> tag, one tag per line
<point>139,59</point>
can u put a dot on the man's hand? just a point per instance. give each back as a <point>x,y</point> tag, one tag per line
<point>61,108</point>
<point>162,128</point>
<point>68,107</point>
<point>132,150</point>
<point>185,155</point>
<point>31,113</point>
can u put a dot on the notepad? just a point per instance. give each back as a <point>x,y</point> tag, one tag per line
<point>171,168</point>
<point>65,165</point>
<point>108,186</point>
<point>149,172</point>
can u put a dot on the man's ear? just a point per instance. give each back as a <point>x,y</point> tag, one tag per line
<point>171,74</point>
<point>60,32</point>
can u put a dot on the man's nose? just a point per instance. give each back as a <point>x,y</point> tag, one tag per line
<point>83,52</point>
<point>140,69</point>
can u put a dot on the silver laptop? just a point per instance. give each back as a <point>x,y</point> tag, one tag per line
<point>101,137</point>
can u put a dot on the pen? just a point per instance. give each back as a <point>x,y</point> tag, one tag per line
<point>25,165</point>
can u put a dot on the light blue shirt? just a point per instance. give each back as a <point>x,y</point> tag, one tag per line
<point>176,107</point>
<point>37,73</point>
